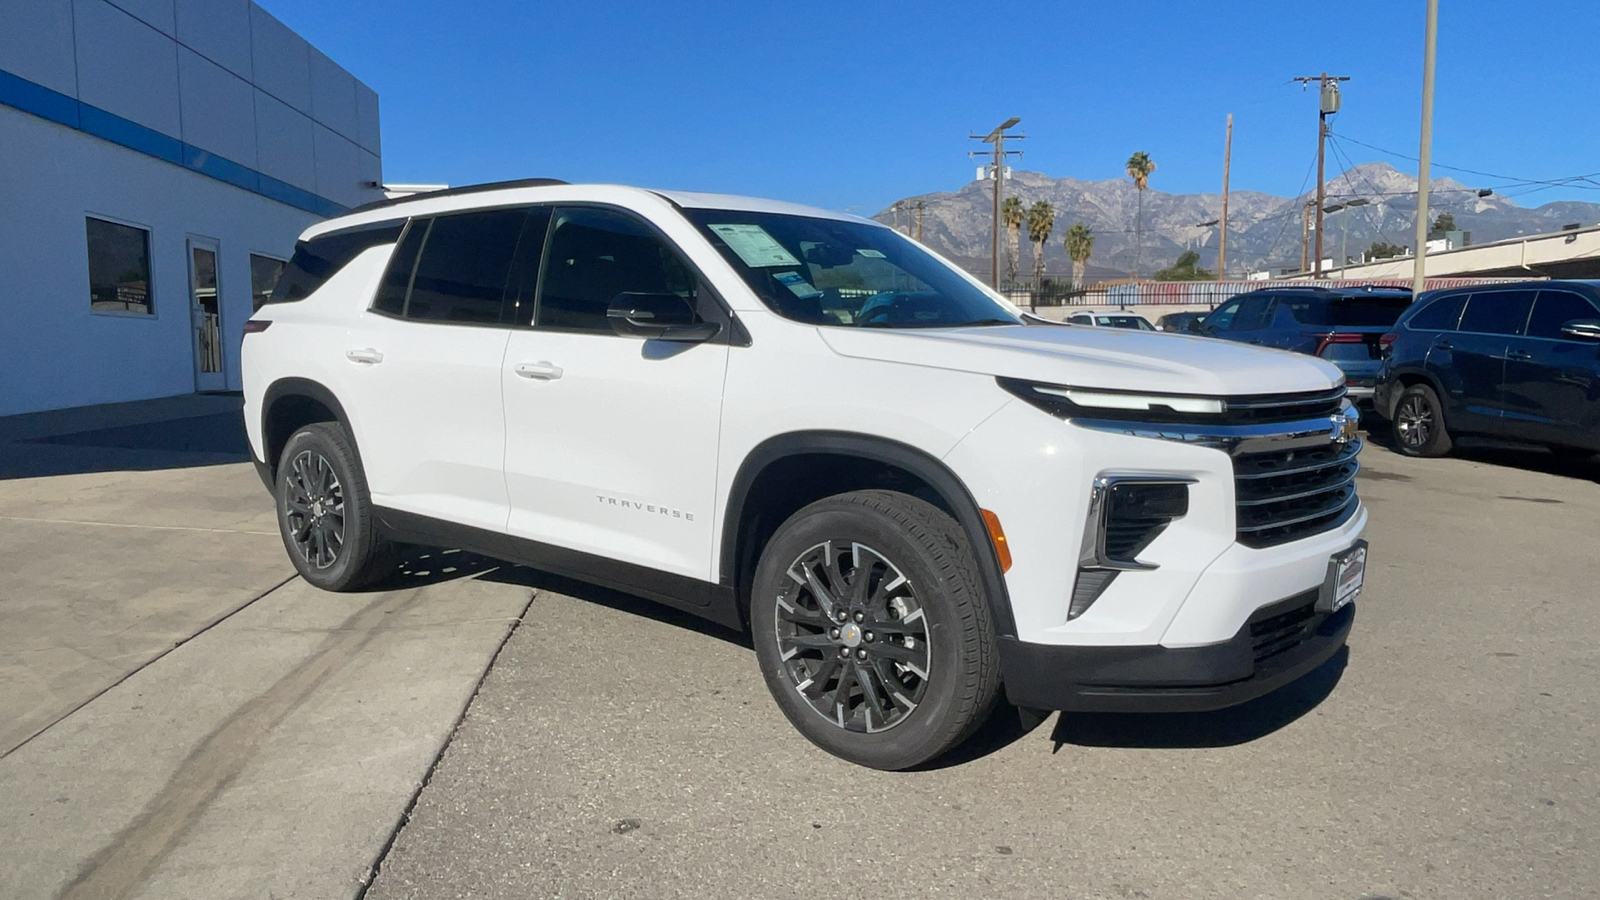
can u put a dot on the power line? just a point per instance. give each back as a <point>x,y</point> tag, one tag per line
<point>1559,182</point>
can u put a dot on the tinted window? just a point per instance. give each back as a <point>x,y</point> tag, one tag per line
<point>596,254</point>
<point>1554,309</point>
<point>119,268</point>
<point>1441,314</point>
<point>391,299</point>
<point>525,269</point>
<point>1222,316</point>
<point>1252,313</point>
<point>1497,312</point>
<point>316,260</point>
<point>1348,312</point>
<point>264,274</point>
<point>461,274</point>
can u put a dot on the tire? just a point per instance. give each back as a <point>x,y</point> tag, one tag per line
<point>1419,426</point>
<point>920,673</point>
<point>325,513</point>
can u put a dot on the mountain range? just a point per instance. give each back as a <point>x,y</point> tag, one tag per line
<point>1264,230</point>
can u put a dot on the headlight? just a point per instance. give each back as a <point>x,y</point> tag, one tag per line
<point>1097,403</point>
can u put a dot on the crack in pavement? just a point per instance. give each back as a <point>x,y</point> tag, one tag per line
<point>138,850</point>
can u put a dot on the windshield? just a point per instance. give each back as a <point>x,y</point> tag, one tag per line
<point>833,272</point>
<point>1135,322</point>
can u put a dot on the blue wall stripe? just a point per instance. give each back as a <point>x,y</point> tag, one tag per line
<point>38,100</point>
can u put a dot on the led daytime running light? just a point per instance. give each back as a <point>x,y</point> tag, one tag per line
<point>1096,399</point>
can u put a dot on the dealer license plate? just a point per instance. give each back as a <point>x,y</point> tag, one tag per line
<point>1346,573</point>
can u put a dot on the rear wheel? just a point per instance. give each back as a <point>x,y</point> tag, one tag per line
<point>1419,428</point>
<point>325,513</point>
<point>872,630</point>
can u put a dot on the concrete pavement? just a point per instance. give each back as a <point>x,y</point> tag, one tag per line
<point>179,717</point>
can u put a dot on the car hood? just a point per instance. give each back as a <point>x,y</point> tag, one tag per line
<point>1112,358</point>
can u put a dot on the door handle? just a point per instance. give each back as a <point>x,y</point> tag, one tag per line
<point>542,370</point>
<point>1442,344</point>
<point>1519,355</point>
<point>365,355</point>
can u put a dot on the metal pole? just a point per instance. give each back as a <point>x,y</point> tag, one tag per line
<point>1424,156</point>
<point>1305,229</point>
<point>1322,139</point>
<point>999,172</point>
<point>1344,244</point>
<point>1222,245</point>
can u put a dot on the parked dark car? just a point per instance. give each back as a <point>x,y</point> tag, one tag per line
<point>1179,321</point>
<point>1518,361</point>
<point>1341,325</point>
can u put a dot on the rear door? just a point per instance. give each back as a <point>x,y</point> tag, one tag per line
<point>1552,380</point>
<point>1474,375</point>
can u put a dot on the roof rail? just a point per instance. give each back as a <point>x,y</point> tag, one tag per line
<point>464,189</point>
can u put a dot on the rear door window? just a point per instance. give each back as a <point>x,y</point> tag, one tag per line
<point>1497,312</point>
<point>1556,308</point>
<point>462,271</point>
<point>1441,314</point>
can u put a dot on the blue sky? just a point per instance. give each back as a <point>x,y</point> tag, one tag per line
<point>854,105</point>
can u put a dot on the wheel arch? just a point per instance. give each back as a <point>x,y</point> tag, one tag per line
<point>766,491</point>
<point>290,404</point>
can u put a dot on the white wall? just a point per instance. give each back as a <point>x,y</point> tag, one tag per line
<point>53,351</point>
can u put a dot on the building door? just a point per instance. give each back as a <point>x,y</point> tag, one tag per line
<point>205,316</point>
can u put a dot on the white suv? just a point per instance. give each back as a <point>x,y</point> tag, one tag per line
<point>806,424</point>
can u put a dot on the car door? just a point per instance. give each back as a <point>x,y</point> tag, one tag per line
<point>1552,380</point>
<point>611,441</point>
<point>1474,376</point>
<point>426,370</point>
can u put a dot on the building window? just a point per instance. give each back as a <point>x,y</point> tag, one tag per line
<point>264,272</point>
<point>119,268</point>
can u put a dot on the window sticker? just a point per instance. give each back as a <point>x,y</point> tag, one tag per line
<point>871,254</point>
<point>754,246</point>
<point>797,285</point>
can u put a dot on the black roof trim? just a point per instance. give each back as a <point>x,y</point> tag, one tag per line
<point>1352,290</point>
<point>464,189</point>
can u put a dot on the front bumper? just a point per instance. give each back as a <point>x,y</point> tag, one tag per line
<point>1280,643</point>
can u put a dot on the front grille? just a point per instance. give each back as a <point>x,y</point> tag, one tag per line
<point>1285,495</point>
<point>1284,631</point>
<point>1269,408</point>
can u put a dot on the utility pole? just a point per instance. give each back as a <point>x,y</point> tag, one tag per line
<point>1305,237</point>
<point>997,137</point>
<point>1222,245</point>
<point>1328,104</point>
<point>1425,154</point>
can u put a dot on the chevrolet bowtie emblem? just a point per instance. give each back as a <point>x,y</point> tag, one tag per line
<point>1343,429</point>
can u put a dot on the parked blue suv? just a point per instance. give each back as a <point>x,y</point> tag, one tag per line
<point>1341,325</point>
<point>1519,361</point>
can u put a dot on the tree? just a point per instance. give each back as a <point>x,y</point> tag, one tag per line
<point>1385,250</point>
<point>1080,243</point>
<point>1186,268</point>
<point>1011,215</point>
<point>1445,222</point>
<point>1140,165</point>
<point>1041,219</point>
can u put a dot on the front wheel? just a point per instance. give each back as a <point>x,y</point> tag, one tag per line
<point>1418,423</point>
<point>872,629</point>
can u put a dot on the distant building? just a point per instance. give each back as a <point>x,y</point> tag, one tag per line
<point>160,157</point>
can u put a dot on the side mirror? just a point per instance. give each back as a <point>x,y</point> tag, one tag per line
<point>658,317</point>
<point>1588,329</point>
<point>1195,327</point>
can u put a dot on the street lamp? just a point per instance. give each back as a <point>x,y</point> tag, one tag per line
<point>1344,230</point>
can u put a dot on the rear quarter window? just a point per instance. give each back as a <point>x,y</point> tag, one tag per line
<point>316,260</point>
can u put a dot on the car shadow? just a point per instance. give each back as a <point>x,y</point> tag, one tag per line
<point>1221,728</point>
<point>1527,457</point>
<point>172,443</point>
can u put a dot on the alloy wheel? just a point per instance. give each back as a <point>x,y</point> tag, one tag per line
<point>853,637</point>
<point>1414,422</point>
<point>314,504</point>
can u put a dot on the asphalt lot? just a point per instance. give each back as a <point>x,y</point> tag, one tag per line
<point>184,719</point>
<point>615,750</point>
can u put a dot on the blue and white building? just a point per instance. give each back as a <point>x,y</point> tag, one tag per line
<point>157,160</point>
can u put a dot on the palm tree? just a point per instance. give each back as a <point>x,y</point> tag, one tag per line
<point>1139,168</point>
<point>1041,219</point>
<point>1011,215</point>
<point>1080,243</point>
